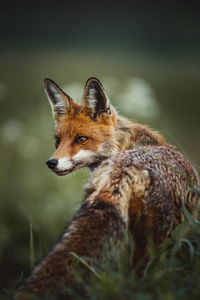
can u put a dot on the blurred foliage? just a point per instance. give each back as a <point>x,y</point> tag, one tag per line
<point>36,204</point>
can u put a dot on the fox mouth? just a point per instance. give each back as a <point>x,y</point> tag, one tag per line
<point>62,173</point>
<point>67,171</point>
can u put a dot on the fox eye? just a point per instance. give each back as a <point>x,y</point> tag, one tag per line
<point>81,139</point>
<point>57,142</point>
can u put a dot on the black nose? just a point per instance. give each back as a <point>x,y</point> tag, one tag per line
<point>52,163</point>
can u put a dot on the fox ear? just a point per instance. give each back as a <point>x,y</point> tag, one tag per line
<point>59,101</point>
<point>95,101</point>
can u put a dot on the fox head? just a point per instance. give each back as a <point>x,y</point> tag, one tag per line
<point>85,134</point>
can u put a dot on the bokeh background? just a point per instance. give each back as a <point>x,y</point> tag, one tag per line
<point>147,56</point>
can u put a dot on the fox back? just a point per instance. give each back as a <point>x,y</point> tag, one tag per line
<point>139,183</point>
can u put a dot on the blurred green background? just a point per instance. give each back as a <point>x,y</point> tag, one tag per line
<point>148,59</point>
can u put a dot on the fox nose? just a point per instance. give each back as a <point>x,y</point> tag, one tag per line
<point>52,163</point>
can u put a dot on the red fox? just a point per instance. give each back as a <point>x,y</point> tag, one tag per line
<point>138,183</point>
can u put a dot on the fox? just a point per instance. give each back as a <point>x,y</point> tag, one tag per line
<point>138,183</point>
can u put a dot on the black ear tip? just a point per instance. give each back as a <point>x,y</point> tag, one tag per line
<point>93,81</point>
<point>47,81</point>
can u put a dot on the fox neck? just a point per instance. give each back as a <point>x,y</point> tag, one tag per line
<point>128,135</point>
<point>131,134</point>
<point>124,134</point>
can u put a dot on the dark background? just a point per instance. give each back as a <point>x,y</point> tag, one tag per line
<point>147,57</point>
